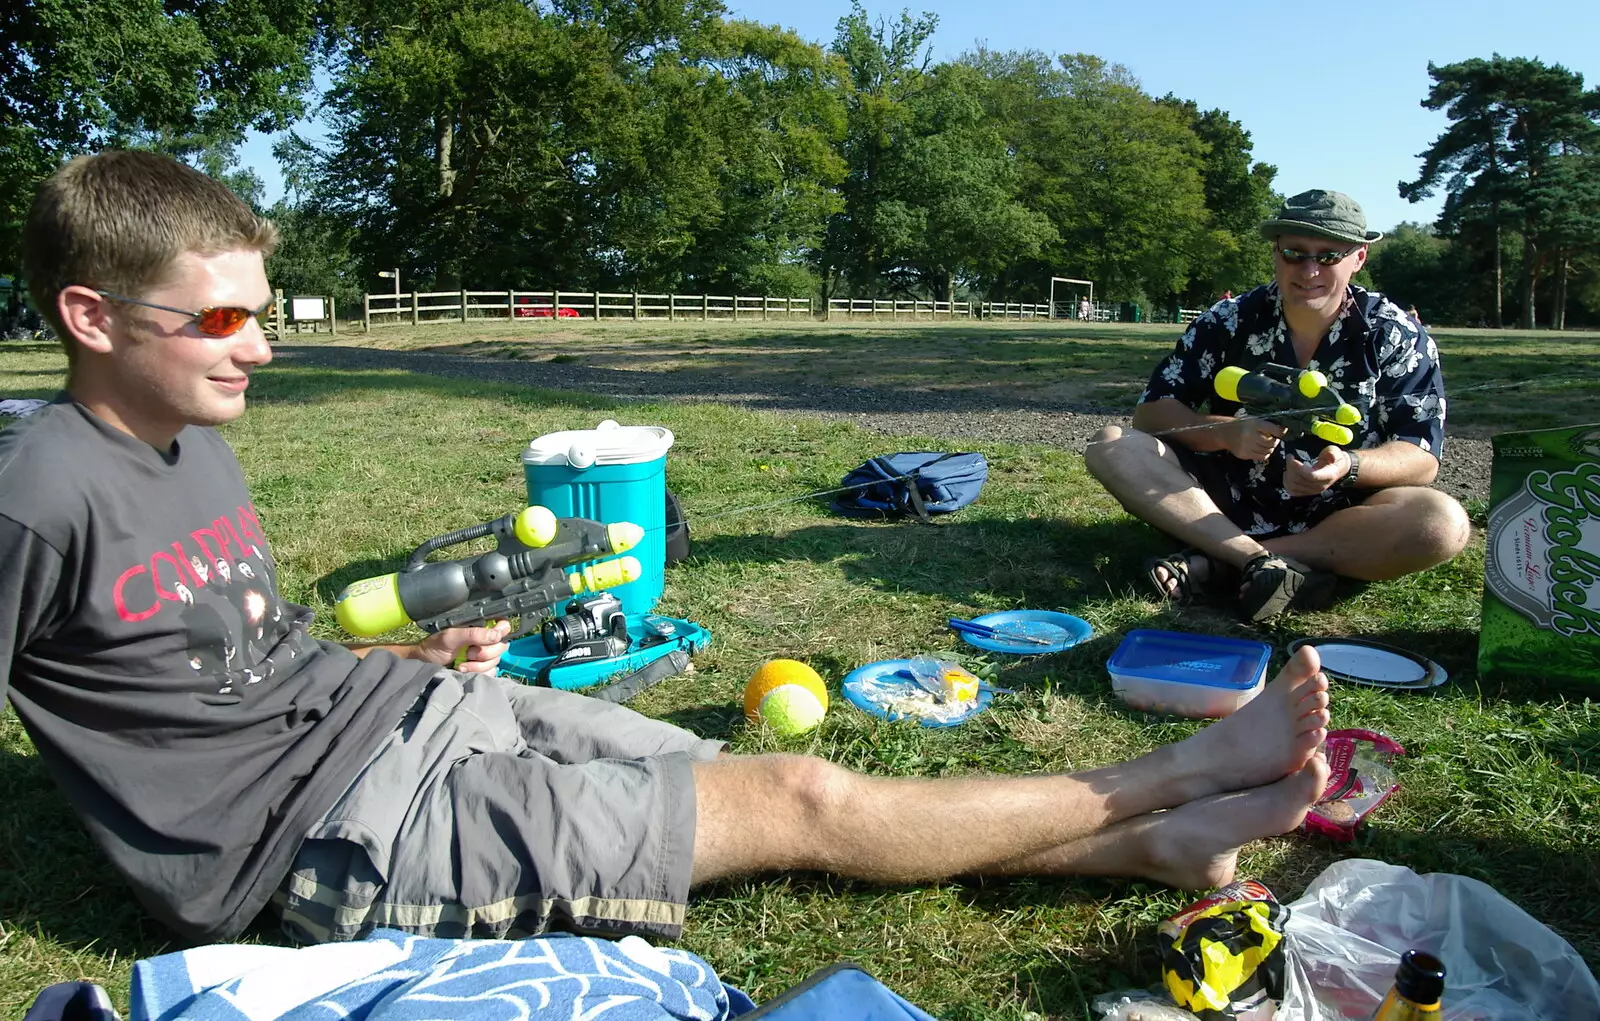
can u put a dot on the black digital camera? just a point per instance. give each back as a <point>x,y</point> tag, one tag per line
<point>599,618</point>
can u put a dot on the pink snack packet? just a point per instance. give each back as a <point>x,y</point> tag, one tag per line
<point>1361,779</point>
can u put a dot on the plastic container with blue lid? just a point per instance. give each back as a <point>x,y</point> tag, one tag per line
<point>1200,676</point>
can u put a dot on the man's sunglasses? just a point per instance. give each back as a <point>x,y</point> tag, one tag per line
<point>213,321</point>
<point>1294,256</point>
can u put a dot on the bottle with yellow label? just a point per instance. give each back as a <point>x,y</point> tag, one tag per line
<point>1418,989</point>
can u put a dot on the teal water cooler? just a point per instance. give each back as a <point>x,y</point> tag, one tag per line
<point>611,473</point>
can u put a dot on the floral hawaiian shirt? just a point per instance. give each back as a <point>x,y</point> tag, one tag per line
<point>1375,356</point>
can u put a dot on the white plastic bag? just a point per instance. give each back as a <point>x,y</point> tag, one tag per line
<point>1345,936</point>
<point>1138,1005</point>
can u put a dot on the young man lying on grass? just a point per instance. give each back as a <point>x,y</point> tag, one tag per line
<point>224,759</point>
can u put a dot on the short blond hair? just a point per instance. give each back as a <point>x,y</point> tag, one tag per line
<point>118,220</point>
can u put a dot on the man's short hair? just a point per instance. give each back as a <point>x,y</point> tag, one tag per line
<point>118,220</point>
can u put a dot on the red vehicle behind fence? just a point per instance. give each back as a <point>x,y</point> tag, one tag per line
<point>527,309</point>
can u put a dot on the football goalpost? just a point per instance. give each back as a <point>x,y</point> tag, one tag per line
<point>1056,312</point>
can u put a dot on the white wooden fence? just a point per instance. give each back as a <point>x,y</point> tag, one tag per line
<point>418,308</point>
<point>1016,310</point>
<point>850,308</point>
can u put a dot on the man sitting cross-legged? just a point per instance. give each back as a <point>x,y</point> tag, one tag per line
<point>224,758</point>
<point>1288,515</point>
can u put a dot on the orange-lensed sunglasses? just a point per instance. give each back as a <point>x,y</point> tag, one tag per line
<point>213,321</point>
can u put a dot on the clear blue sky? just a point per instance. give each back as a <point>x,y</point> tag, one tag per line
<point>1329,92</point>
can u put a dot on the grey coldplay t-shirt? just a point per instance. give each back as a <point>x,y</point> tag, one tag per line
<point>178,702</point>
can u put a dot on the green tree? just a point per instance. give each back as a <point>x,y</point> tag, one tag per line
<point>462,142</point>
<point>591,143</point>
<point>755,115</point>
<point>1562,207</point>
<point>313,257</point>
<point>1239,196</point>
<point>582,146</point>
<point>1554,137</point>
<point>1584,289</point>
<point>1471,158</point>
<point>185,77</point>
<point>1501,161</point>
<point>885,64</point>
<point>1414,265</point>
<point>1118,174</point>
<point>949,205</point>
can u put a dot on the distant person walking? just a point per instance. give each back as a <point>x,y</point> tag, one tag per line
<point>1085,309</point>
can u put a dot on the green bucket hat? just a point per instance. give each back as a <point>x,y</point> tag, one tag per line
<point>1322,214</point>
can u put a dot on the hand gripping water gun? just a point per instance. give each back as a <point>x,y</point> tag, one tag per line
<point>1293,397</point>
<point>521,578</point>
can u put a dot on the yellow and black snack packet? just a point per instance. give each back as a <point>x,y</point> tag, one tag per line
<point>1222,958</point>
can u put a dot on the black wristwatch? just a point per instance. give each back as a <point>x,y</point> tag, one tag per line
<point>1350,477</point>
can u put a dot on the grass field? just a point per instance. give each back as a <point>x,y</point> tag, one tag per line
<point>350,470</point>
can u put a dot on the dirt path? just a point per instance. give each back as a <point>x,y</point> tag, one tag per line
<point>958,416</point>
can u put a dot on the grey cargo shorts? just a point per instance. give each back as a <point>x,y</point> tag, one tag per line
<point>498,809</point>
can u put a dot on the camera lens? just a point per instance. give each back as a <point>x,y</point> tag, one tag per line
<point>560,633</point>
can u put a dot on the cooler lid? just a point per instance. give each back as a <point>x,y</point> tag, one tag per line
<point>1179,658</point>
<point>606,443</point>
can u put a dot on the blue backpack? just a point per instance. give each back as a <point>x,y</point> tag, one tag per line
<point>914,482</point>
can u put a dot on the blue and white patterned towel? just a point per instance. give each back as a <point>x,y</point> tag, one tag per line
<point>391,976</point>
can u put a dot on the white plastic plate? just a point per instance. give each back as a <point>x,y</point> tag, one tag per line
<point>1357,661</point>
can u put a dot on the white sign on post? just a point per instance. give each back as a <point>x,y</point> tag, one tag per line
<point>308,309</point>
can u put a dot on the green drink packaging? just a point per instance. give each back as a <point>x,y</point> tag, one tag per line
<point>1541,591</point>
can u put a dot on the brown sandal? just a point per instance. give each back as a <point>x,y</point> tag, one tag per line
<point>1184,586</point>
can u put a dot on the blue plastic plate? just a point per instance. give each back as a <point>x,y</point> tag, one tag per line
<point>856,684</point>
<point>1061,630</point>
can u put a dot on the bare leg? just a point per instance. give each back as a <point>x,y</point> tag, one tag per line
<point>1193,847</point>
<point>1395,532</point>
<point>794,812</point>
<point>1144,474</point>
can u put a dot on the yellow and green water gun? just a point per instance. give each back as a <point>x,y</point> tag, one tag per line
<point>522,578</point>
<point>1298,399</point>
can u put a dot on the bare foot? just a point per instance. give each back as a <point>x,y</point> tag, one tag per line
<point>1196,846</point>
<point>1269,738</point>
